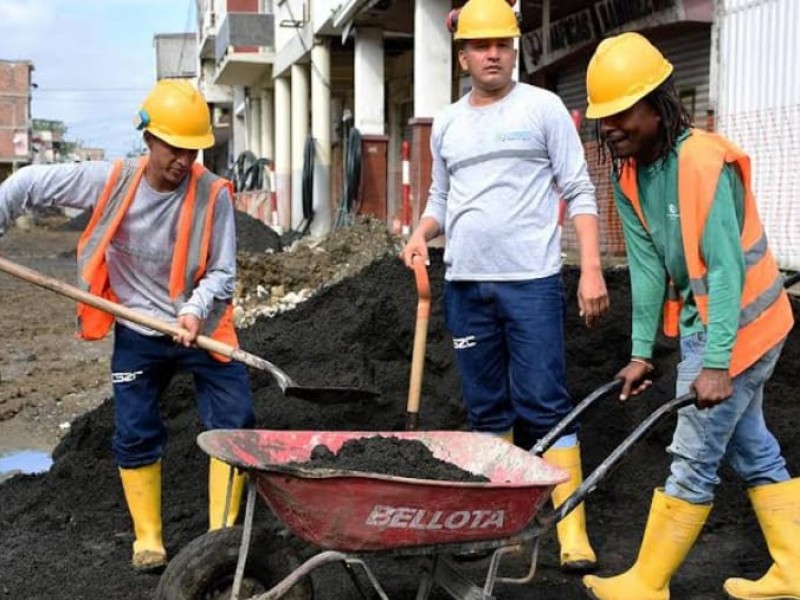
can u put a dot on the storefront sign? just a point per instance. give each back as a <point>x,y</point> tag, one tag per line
<point>601,19</point>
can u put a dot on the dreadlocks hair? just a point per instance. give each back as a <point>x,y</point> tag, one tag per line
<point>674,119</point>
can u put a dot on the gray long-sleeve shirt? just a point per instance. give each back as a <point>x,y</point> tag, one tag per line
<point>139,256</point>
<point>497,174</point>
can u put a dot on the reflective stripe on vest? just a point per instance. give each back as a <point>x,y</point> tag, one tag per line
<point>766,316</point>
<point>191,248</point>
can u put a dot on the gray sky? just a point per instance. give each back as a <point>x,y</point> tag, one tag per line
<point>94,60</point>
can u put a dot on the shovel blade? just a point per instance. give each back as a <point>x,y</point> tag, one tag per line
<point>329,395</point>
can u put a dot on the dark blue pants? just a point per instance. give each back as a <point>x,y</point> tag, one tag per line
<point>142,367</point>
<point>509,342</point>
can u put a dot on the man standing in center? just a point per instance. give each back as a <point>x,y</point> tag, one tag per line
<point>501,156</point>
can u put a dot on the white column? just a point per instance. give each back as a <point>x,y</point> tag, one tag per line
<point>300,129</point>
<point>254,104</point>
<point>433,61</point>
<point>240,140</point>
<point>321,130</point>
<point>517,11</point>
<point>283,149</point>
<point>393,158</point>
<point>369,81</point>
<point>267,124</point>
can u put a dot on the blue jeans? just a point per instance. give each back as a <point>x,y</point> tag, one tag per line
<point>733,431</point>
<point>509,342</point>
<point>142,367</point>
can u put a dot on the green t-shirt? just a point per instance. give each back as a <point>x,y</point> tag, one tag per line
<point>656,255</point>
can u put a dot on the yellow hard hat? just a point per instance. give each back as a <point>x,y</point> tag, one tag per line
<point>483,20</point>
<point>624,69</point>
<point>176,113</point>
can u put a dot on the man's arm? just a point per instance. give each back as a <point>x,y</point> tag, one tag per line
<point>725,263</point>
<point>431,224</point>
<point>593,301</point>
<point>76,185</point>
<point>648,278</point>
<point>648,289</point>
<point>568,161</point>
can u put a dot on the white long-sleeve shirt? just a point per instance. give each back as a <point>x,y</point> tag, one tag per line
<point>497,174</point>
<point>139,256</point>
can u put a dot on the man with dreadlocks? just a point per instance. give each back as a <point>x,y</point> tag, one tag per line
<point>694,239</point>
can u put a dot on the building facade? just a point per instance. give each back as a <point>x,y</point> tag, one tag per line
<point>289,82</point>
<point>15,115</point>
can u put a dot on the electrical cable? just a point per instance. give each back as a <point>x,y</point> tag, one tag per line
<point>351,180</point>
<point>247,173</point>
<point>308,184</point>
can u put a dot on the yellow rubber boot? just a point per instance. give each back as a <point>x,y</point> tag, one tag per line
<point>777,507</point>
<point>672,528</point>
<point>142,487</point>
<point>577,554</point>
<point>218,477</point>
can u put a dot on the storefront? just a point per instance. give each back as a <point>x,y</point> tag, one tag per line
<point>680,28</point>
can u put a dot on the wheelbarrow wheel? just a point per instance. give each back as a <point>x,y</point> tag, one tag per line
<point>206,567</point>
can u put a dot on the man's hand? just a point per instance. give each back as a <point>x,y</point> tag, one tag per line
<point>416,246</point>
<point>634,378</point>
<point>593,300</point>
<point>191,326</point>
<point>712,386</point>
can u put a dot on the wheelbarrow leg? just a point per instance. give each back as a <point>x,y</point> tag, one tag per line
<point>426,583</point>
<point>531,570</point>
<point>248,530</point>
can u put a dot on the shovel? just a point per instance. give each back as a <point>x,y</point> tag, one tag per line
<point>318,395</point>
<point>420,341</point>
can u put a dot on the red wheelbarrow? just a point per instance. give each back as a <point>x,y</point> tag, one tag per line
<point>352,516</point>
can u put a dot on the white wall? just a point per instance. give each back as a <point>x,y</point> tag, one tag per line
<point>758,107</point>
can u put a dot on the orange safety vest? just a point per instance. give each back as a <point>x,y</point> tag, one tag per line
<point>766,314</point>
<point>189,259</point>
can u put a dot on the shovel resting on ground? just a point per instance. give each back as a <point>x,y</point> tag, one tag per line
<point>318,395</point>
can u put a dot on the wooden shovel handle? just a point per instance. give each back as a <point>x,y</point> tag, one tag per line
<point>420,339</point>
<point>64,289</point>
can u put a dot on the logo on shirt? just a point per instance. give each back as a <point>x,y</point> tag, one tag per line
<point>519,135</point>
<point>672,211</point>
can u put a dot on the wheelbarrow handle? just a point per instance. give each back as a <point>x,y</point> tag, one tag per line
<point>612,460</point>
<point>556,432</point>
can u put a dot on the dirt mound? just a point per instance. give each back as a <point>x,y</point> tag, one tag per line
<point>77,223</point>
<point>388,456</point>
<point>254,236</point>
<point>268,284</point>
<point>66,533</point>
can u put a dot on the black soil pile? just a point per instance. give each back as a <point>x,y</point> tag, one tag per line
<point>251,234</point>
<point>388,456</point>
<point>77,223</point>
<point>254,236</point>
<point>66,533</point>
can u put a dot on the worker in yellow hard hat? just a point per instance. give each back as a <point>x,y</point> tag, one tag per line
<point>698,254</point>
<point>496,153</point>
<point>162,242</point>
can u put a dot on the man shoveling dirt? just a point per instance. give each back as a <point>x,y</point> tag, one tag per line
<point>161,241</point>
